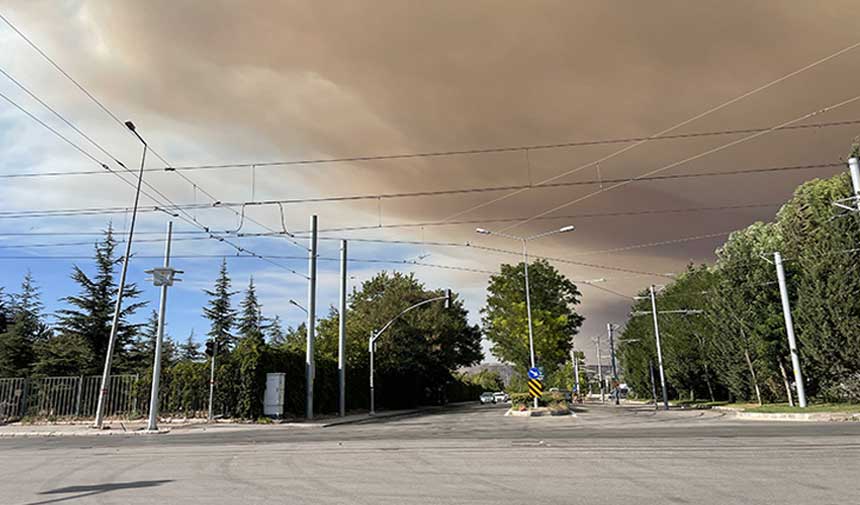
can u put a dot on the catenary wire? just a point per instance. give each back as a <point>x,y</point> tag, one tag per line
<point>182,168</point>
<point>688,159</point>
<point>667,130</point>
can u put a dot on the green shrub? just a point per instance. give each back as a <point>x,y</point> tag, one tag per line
<point>520,399</point>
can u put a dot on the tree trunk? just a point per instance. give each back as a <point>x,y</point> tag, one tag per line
<point>708,383</point>
<point>785,381</point>
<point>752,374</point>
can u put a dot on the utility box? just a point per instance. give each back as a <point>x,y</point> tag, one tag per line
<point>273,401</point>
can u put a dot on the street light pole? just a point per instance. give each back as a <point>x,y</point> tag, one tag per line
<point>165,278</point>
<point>609,329</point>
<point>789,329</point>
<point>524,241</point>
<point>312,303</point>
<point>374,335</point>
<point>211,410</point>
<point>100,407</point>
<point>659,350</point>
<point>529,309</point>
<point>341,340</point>
<point>600,371</point>
<point>372,345</point>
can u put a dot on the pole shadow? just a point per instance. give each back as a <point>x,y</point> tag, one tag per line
<point>87,490</point>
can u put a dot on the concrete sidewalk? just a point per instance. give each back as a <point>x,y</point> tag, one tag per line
<point>80,429</point>
<point>138,427</point>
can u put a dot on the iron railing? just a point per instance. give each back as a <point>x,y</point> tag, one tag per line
<point>66,396</point>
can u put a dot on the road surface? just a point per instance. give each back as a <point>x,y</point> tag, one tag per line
<point>465,455</point>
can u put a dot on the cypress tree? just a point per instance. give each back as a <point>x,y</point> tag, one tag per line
<point>250,320</point>
<point>219,311</point>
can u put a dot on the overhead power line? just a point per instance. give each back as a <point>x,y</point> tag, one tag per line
<point>666,131</point>
<point>416,194</point>
<point>183,168</point>
<point>121,124</point>
<point>247,256</point>
<point>585,215</point>
<point>181,214</point>
<point>689,159</point>
<point>301,234</point>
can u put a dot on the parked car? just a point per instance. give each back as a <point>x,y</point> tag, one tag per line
<point>501,397</point>
<point>486,398</point>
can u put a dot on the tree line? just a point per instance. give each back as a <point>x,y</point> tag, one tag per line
<point>736,347</point>
<point>416,359</point>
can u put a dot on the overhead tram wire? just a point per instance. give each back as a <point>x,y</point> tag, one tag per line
<point>122,125</point>
<point>661,133</point>
<point>375,197</point>
<point>248,256</point>
<point>690,158</point>
<point>302,233</point>
<point>384,241</point>
<point>189,219</point>
<point>427,224</point>
<point>184,168</point>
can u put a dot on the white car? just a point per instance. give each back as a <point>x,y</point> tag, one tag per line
<point>486,398</point>
<point>501,397</point>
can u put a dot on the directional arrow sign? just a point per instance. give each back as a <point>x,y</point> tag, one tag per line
<point>534,373</point>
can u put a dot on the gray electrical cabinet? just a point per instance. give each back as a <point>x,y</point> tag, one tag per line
<point>273,402</point>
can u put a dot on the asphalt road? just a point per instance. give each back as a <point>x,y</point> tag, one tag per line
<point>465,455</point>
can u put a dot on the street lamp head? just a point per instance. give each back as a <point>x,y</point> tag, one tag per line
<point>567,228</point>
<point>130,125</point>
<point>482,231</point>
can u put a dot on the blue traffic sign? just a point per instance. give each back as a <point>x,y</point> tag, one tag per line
<point>534,373</point>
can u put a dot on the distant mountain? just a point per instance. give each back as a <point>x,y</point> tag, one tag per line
<point>504,370</point>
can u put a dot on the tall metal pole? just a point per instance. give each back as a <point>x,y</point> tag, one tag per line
<point>372,344</point>
<point>103,391</point>
<point>156,366</point>
<point>609,329</point>
<point>854,169</point>
<point>789,329</point>
<point>341,340</point>
<point>211,413</point>
<point>575,371</point>
<point>659,350</point>
<point>600,371</point>
<point>529,310</point>
<point>312,304</point>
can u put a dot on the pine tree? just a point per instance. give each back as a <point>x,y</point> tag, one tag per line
<point>4,311</point>
<point>274,330</point>
<point>189,350</point>
<point>219,311</point>
<point>142,347</point>
<point>250,320</point>
<point>91,314</point>
<point>23,329</point>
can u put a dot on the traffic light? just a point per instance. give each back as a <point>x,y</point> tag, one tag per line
<point>210,348</point>
<point>447,298</point>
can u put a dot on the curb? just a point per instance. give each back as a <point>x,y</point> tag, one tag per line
<point>93,433</point>
<point>796,417</point>
<point>528,413</point>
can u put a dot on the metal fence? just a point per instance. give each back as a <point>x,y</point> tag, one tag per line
<point>66,396</point>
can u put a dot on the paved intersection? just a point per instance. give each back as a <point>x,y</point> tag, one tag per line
<point>464,455</point>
